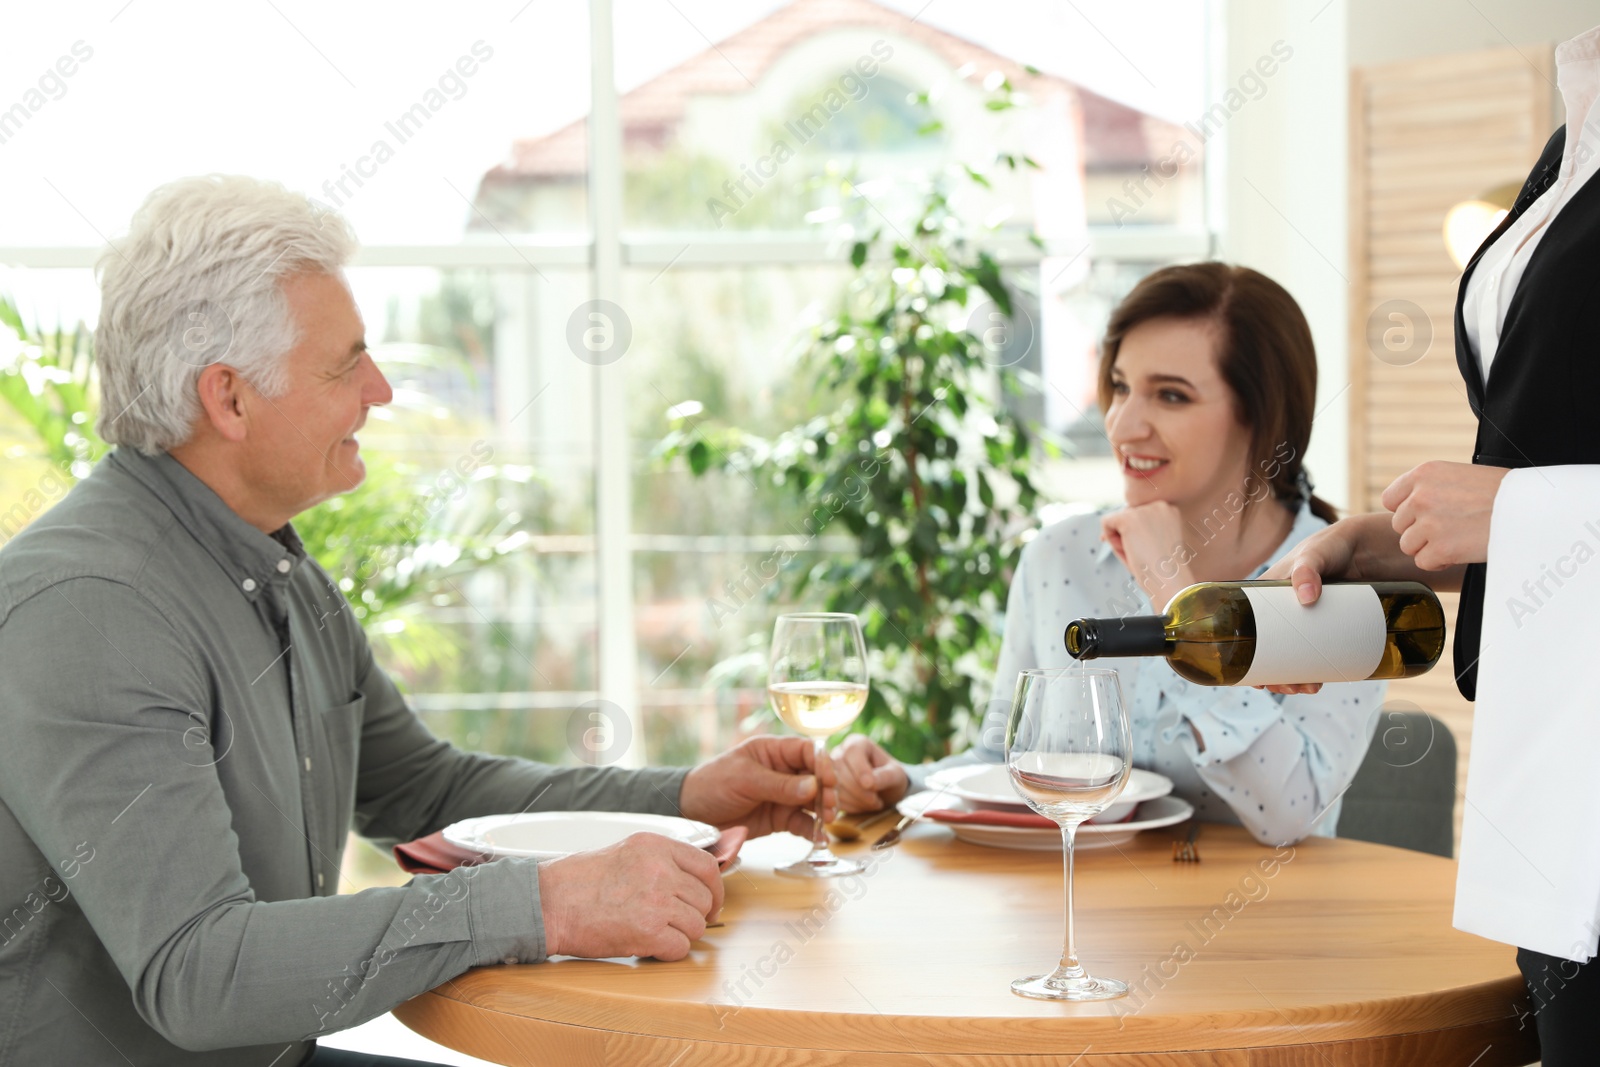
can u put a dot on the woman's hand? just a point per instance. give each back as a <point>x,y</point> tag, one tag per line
<point>869,778</point>
<point>1149,540</point>
<point>1441,512</point>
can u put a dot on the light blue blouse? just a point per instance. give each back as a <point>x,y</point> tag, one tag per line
<point>1276,764</point>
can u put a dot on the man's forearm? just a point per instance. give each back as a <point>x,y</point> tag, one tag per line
<point>262,972</point>
<point>411,783</point>
<point>449,785</point>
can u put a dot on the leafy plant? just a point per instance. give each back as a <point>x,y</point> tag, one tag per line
<point>915,455</point>
<point>49,385</point>
<point>400,543</point>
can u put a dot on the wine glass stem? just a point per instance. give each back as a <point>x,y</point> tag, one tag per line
<point>819,836</point>
<point>1069,952</point>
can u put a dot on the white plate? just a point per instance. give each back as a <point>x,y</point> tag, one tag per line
<point>988,786</point>
<point>1152,814</point>
<point>548,835</point>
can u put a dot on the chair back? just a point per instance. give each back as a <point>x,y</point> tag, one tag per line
<point>1404,794</point>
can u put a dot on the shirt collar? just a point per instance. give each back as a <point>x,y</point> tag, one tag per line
<point>1584,46</point>
<point>1578,76</point>
<point>254,561</point>
<point>1304,525</point>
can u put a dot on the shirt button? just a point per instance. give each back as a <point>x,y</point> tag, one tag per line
<point>248,585</point>
<point>319,880</point>
<point>308,764</point>
<point>283,566</point>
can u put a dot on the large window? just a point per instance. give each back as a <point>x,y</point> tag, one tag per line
<point>741,138</point>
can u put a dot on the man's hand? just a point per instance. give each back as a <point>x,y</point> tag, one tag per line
<point>647,895</point>
<point>1441,512</point>
<point>764,783</point>
<point>1149,540</point>
<point>869,778</point>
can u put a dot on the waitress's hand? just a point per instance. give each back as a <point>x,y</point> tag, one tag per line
<point>1440,524</point>
<point>1149,540</point>
<point>1330,554</point>
<point>1441,512</point>
<point>869,778</point>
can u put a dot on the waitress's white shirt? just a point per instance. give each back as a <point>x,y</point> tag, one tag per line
<point>1495,279</point>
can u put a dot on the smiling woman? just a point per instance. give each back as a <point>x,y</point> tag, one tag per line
<point>1207,380</point>
<point>1208,377</point>
<point>1223,360</point>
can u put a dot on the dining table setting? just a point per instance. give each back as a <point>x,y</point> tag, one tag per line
<point>1061,907</point>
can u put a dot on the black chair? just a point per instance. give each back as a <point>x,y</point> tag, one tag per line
<point>1404,794</point>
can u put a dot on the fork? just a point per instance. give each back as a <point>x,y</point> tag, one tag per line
<point>895,831</point>
<point>1184,851</point>
<point>907,819</point>
<point>849,827</point>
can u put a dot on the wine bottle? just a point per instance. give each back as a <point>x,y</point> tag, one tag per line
<point>1258,633</point>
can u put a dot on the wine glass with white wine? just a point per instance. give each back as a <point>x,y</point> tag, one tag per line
<point>817,680</point>
<point>1069,748</point>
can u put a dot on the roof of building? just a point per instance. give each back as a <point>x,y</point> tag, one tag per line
<point>1116,136</point>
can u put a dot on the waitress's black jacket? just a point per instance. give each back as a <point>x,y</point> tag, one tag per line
<point>1541,404</point>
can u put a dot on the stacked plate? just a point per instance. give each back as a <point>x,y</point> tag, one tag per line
<point>548,835</point>
<point>1144,804</point>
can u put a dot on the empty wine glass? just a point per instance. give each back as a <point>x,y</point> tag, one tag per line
<point>1069,750</point>
<point>817,681</point>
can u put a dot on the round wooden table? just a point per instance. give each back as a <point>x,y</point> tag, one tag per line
<point>1331,952</point>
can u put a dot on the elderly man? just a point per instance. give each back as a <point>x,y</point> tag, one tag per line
<point>192,721</point>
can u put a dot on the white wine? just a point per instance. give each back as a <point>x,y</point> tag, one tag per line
<point>1062,785</point>
<point>1258,633</point>
<point>818,709</point>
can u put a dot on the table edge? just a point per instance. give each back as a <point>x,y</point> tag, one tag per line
<point>1265,1028</point>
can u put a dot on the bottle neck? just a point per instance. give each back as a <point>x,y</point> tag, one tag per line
<point>1135,635</point>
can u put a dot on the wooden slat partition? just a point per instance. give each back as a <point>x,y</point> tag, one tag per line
<point>1426,134</point>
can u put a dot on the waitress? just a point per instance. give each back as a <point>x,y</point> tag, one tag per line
<point>1518,532</point>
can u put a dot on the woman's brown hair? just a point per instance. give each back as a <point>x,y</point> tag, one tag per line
<point>1264,353</point>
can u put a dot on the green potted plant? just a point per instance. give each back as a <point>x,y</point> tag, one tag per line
<point>914,455</point>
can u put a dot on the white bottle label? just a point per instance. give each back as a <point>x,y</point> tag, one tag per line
<point>1340,638</point>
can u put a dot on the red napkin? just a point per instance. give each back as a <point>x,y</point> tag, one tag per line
<point>1022,820</point>
<point>434,855</point>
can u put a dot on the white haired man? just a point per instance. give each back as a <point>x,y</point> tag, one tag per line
<point>193,722</point>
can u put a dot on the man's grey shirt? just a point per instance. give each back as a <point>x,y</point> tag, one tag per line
<point>192,721</point>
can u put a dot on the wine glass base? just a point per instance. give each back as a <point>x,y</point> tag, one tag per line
<point>825,866</point>
<point>1056,986</point>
